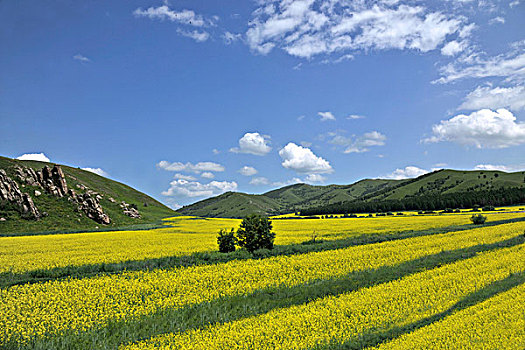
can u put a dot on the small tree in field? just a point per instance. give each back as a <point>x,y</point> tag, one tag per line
<point>255,232</point>
<point>478,219</point>
<point>226,241</point>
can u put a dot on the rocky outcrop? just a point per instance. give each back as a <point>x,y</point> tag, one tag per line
<point>129,210</point>
<point>91,207</point>
<point>54,182</point>
<point>10,192</point>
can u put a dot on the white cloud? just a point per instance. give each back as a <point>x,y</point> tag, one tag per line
<point>187,188</point>
<point>198,36</point>
<point>216,151</point>
<point>184,177</point>
<point>326,116</point>
<point>406,173</point>
<point>497,20</point>
<point>313,178</point>
<point>483,129</point>
<point>253,143</point>
<point>510,66</point>
<point>492,167</point>
<point>187,17</point>
<point>259,181</point>
<point>97,171</point>
<point>247,171</point>
<point>355,116</point>
<point>359,144</point>
<point>189,167</point>
<point>81,58</point>
<point>207,175</point>
<point>453,47</point>
<point>303,160</point>
<point>41,157</point>
<point>306,28</point>
<point>300,118</point>
<point>514,3</point>
<point>512,98</point>
<point>230,38</point>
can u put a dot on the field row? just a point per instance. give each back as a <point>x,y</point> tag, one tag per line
<point>362,317</point>
<point>190,235</point>
<point>497,323</point>
<point>43,309</point>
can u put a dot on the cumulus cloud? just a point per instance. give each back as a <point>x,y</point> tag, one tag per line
<point>453,47</point>
<point>185,188</point>
<point>326,116</point>
<point>97,171</point>
<point>81,58</point>
<point>207,175</point>
<point>355,116</point>
<point>306,28</point>
<point>253,143</point>
<point>303,160</point>
<point>198,36</point>
<point>483,129</point>
<point>313,178</point>
<point>247,171</point>
<point>259,181</point>
<point>190,167</point>
<point>41,157</point>
<point>359,144</point>
<point>184,177</point>
<point>406,173</point>
<point>512,98</point>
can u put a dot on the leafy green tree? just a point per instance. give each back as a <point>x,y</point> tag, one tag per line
<point>226,241</point>
<point>255,232</point>
<point>478,219</point>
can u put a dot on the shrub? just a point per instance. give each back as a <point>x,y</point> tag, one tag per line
<point>255,232</point>
<point>478,219</point>
<point>226,241</point>
<point>488,208</point>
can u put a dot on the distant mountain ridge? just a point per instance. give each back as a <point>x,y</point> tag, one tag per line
<point>300,197</point>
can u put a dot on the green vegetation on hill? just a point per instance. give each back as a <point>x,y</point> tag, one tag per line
<point>431,191</point>
<point>286,199</point>
<point>61,212</point>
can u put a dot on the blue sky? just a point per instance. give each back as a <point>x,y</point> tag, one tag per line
<point>188,99</point>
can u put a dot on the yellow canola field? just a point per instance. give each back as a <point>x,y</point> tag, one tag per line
<point>344,318</point>
<point>189,235</point>
<point>497,323</point>
<point>33,310</point>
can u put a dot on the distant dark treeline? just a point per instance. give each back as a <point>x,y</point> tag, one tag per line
<point>498,197</point>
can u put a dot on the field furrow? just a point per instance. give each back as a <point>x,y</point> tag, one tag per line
<point>355,319</point>
<point>43,309</point>
<point>497,323</point>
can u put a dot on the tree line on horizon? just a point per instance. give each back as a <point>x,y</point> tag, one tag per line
<point>434,201</point>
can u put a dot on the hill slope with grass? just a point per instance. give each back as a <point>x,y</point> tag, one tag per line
<point>286,199</point>
<point>303,197</point>
<point>62,214</point>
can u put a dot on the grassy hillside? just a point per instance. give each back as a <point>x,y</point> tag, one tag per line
<point>285,199</point>
<point>61,213</point>
<point>298,197</point>
<point>454,181</point>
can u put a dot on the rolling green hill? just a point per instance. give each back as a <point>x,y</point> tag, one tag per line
<point>63,215</point>
<point>286,199</point>
<point>299,197</point>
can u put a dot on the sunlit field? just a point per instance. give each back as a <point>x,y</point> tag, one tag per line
<point>186,235</point>
<point>394,282</point>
